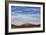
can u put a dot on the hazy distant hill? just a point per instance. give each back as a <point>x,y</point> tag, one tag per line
<point>27,25</point>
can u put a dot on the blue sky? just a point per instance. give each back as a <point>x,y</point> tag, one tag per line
<point>24,14</point>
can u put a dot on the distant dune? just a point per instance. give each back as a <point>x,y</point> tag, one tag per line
<point>27,25</point>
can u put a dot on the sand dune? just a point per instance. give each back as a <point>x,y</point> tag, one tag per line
<point>26,25</point>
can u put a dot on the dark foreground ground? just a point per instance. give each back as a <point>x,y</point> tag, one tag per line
<point>25,26</point>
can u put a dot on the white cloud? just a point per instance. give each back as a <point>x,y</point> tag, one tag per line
<point>36,9</point>
<point>13,13</point>
<point>18,11</point>
<point>21,18</point>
